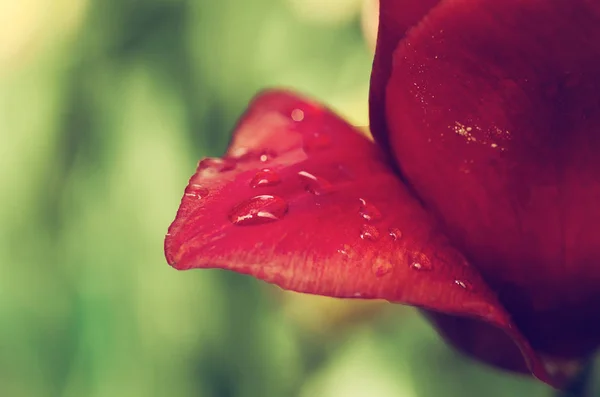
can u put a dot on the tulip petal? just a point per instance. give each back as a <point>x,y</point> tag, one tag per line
<point>304,201</point>
<point>396,18</point>
<point>493,112</point>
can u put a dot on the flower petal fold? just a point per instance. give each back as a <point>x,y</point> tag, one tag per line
<point>396,18</point>
<point>303,200</point>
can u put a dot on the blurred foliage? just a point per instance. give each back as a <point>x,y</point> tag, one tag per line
<point>105,107</point>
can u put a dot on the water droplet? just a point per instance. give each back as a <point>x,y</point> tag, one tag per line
<point>264,178</point>
<point>346,251</point>
<point>316,141</point>
<point>314,184</point>
<point>369,232</point>
<point>369,212</point>
<point>297,115</point>
<point>213,165</point>
<point>244,155</point>
<point>420,261</point>
<point>258,210</point>
<point>196,191</point>
<point>381,267</point>
<point>464,284</point>
<point>267,155</point>
<point>395,233</point>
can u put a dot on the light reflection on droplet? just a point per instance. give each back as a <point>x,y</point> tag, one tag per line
<point>258,210</point>
<point>369,232</point>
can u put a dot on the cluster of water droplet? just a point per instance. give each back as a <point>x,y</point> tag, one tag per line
<point>269,208</point>
<point>369,232</point>
<point>265,208</point>
<point>371,214</point>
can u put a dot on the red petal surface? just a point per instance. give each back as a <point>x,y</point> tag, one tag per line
<point>331,219</point>
<point>396,17</point>
<point>493,110</point>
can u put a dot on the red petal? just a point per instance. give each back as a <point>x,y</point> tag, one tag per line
<point>493,112</point>
<point>336,221</point>
<point>396,17</point>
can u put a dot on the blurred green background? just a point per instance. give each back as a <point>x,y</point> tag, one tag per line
<point>105,108</point>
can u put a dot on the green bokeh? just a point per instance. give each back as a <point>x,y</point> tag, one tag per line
<point>100,130</point>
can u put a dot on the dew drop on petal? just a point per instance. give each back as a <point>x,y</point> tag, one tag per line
<point>264,178</point>
<point>297,115</point>
<point>369,212</point>
<point>267,155</point>
<point>464,284</point>
<point>214,165</point>
<point>395,233</point>
<point>381,267</point>
<point>196,191</point>
<point>258,210</point>
<point>369,232</point>
<point>314,184</point>
<point>347,251</point>
<point>243,155</point>
<point>421,262</point>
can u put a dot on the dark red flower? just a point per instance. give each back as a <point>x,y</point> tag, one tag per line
<point>487,217</point>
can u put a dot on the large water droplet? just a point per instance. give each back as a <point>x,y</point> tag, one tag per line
<point>464,284</point>
<point>316,141</point>
<point>369,232</point>
<point>214,165</point>
<point>314,184</point>
<point>395,233</point>
<point>420,261</point>
<point>258,210</point>
<point>381,267</point>
<point>369,212</point>
<point>264,178</point>
<point>196,191</point>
